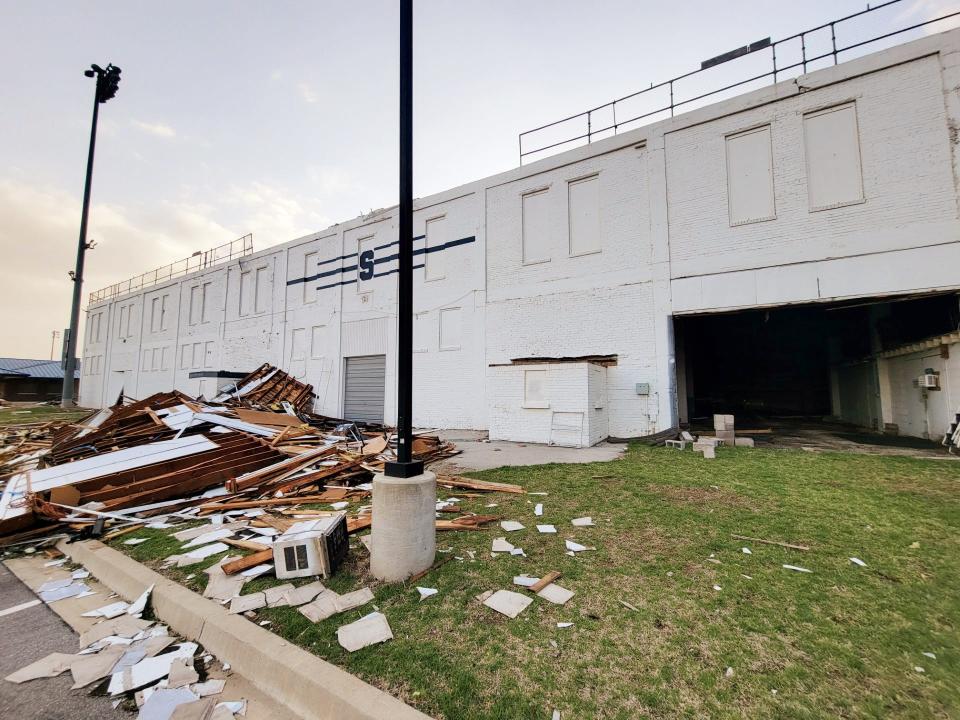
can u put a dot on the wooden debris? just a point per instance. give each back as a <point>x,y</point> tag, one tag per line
<point>544,581</point>
<point>458,482</point>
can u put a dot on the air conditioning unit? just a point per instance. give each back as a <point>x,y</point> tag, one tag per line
<point>929,381</point>
<point>312,548</point>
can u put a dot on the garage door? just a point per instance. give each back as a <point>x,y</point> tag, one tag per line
<point>364,388</point>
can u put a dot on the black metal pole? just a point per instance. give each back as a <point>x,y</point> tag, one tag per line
<point>405,465</point>
<point>70,365</point>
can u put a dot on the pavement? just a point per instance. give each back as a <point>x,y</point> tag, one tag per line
<point>29,634</point>
<point>478,453</point>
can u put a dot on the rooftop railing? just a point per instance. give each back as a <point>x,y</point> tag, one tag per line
<point>200,260</point>
<point>789,56</point>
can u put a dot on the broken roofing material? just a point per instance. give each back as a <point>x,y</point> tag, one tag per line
<point>368,630</point>
<point>508,603</point>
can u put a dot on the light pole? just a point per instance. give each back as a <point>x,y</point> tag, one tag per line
<point>403,540</point>
<point>108,80</point>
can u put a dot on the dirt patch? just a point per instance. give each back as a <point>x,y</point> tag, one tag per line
<point>704,497</point>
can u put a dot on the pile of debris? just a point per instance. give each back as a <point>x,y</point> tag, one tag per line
<point>724,434</point>
<point>141,460</point>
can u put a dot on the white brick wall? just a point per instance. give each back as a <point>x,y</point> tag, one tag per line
<point>666,247</point>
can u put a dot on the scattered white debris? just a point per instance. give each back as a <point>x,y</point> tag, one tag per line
<point>858,561</point>
<point>564,624</point>
<point>108,611</point>
<point>501,545</point>
<point>728,672</point>
<point>748,577</point>
<point>717,588</point>
<point>140,604</point>
<point>556,594</point>
<point>628,605</point>
<point>525,580</point>
<point>746,551</point>
<point>797,568</point>
<point>537,493</point>
<point>257,571</point>
<point>511,525</point>
<point>426,592</point>
<point>518,551</point>
<point>368,630</point>
<point>918,669</point>
<point>575,546</point>
<point>546,528</point>
<point>135,541</point>
<point>582,522</point>
<point>538,509</point>
<point>556,715</point>
<point>80,574</point>
<point>930,655</point>
<point>55,563</point>
<point>491,505</point>
<point>508,603</point>
<point>340,505</point>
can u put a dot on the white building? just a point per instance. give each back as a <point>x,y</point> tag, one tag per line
<point>792,250</point>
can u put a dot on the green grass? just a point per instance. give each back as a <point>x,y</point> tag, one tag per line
<point>14,415</point>
<point>840,642</point>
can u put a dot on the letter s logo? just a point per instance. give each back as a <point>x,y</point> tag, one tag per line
<point>365,265</point>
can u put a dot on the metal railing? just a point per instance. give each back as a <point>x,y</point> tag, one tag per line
<point>807,39</point>
<point>200,260</point>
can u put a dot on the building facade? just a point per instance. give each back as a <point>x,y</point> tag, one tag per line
<point>774,253</point>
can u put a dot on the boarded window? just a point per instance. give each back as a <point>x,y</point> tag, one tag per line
<point>422,334</point>
<point>145,362</point>
<point>155,315</point>
<point>196,304</point>
<point>832,144</point>
<point>316,342</point>
<point>433,257</point>
<point>536,228</point>
<point>208,354</point>
<point>246,293</point>
<point>750,177</point>
<point>309,270</point>
<point>123,320</point>
<point>535,389</point>
<point>298,344</point>
<point>185,352</point>
<point>205,301</point>
<point>450,328</point>
<point>263,290</point>
<point>197,359</point>
<point>583,210</point>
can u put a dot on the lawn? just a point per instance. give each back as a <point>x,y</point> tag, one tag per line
<point>842,641</point>
<point>18,414</point>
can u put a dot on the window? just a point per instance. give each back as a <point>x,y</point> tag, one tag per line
<point>164,359</point>
<point>535,389</point>
<point>436,237</point>
<point>583,215</point>
<point>298,344</point>
<point>155,315</point>
<point>750,177</point>
<point>123,322</point>
<point>185,356</point>
<point>145,362</point>
<point>262,303</point>
<point>246,293</point>
<point>536,230</point>
<point>196,303</point>
<point>310,269</point>
<point>421,332</point>
<point>205,291</point>
<point>156,363</point>
<point>316,342</point>
<point>832,145</point>
<point>208,354</point>
<point>163,312</point>
<point>450,329</point>
<point>196,358</point>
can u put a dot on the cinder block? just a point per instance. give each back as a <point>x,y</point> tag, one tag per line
<point>709,452</point>
<point>723,422</point>
<point>679,444</point>
<point>726,435</point>
<point>744,442</point>
<point>704,440</point>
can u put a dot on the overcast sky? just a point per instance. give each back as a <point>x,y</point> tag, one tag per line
<point>279,118</point>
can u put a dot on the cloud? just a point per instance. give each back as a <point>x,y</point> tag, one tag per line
<point>308,94</point>
<point>157,129</point>
<point>921,10</point>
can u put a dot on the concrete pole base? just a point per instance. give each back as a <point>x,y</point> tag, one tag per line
<point>403,540</point>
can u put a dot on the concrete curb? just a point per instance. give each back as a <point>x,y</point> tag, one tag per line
<point>308,686</point>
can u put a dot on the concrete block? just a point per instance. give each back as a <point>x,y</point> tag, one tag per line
<point>705,440</point>
<point>679,444</point>
<point>723,422</point>
<point>727,436</point>
<point>709,452</point>
<point>403,539</point>
<point>744,442</point>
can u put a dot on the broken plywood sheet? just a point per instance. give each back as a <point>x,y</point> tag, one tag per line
<point>322,606</point>
<point>303,594</point>
<point>508,603</point>
<point>182,673</point>
<point>368,630</point>
<point>355,599</point>
<point>276,596</point>
<point>48,666</point>
<point>90,668</point>
<point>244,603</point>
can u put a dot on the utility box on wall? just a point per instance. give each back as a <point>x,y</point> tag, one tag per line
<point>552,403</point>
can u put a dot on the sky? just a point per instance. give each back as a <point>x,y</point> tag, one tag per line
<point>280,119</point>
